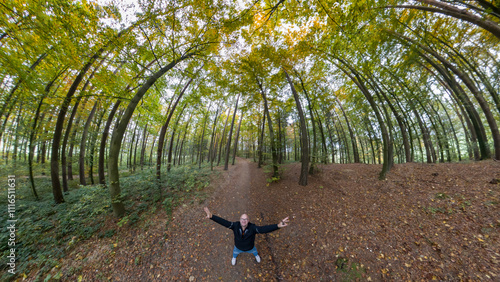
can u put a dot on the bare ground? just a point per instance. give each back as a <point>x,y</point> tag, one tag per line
<point>425,222</point>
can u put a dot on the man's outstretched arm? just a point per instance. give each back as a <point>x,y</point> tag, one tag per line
<point>217,219</point>
<point>272,227</point>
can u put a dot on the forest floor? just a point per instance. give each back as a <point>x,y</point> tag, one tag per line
<point>425,222</point>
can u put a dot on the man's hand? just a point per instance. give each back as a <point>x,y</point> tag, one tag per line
<point>283,223</point>
<point>209,214</point>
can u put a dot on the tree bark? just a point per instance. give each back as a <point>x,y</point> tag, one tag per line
<point>303,129</point>
<point>445,9</point>
<point>163,131</point>
<point>271,131</point>
<point>83,142</point>
<point>102,147</point>
<point>236,139</point>
<point>228,144</point>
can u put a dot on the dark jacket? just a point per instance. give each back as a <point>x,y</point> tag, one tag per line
<point>244,241</point>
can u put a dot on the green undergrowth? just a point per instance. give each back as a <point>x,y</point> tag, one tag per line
<point>45,232</point>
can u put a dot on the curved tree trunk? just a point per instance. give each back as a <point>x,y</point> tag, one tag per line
<point>54,162</point>
<point>445,9</point>
<point>117,137</point>
<point>470,85</point>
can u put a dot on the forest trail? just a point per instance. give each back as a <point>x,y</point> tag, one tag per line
<point>193,248</point>
<point>203,247</point>
<point>199,249</point>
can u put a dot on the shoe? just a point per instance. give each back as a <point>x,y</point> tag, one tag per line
<point>257,258</point>
<point>233,261</point>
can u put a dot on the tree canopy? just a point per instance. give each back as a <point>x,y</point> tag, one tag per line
<point>170,82</point>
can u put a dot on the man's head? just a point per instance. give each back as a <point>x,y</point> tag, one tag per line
<point>244,220</point>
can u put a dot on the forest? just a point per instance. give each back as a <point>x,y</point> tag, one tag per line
<point>119,116</point>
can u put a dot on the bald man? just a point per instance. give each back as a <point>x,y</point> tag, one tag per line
<point>244,233</point>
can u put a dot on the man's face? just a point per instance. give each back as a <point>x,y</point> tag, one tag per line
<point>244,220</point>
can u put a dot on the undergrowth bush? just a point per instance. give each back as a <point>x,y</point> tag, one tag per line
<point>46,231</point>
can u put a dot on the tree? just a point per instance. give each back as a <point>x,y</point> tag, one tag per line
<point>303,136</point>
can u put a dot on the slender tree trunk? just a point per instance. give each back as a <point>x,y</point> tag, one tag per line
<point>104,138</point>
<point>323,139</point>
<point>446,9</point>
<point>31,147</point>
<point>163,131</point>
<point>261,140</point>
<point>145,137</point>
<point>222,137</point>
<point>213,146</point>
<point>171,145</point>
<point>351,133</point>
<point>83,143</point>
<point>236,139</point>
<point>117,137</point>
<point>200,150</point>
<point>356,78</point>
<point>303,128</point>
<point>271,130</point>
<point>228,144</point>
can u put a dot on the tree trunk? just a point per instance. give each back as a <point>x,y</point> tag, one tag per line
<point>356,78</point>
<point>117,137</point>
<point>200,150</point>
<point>54,162</point>
<point>163,131</point>
<point>212,140</point>
<point>145,137</point>
<point>83,143</point>
<point>228,144</point>
<point>172,138</point>
<point>446,9</point>
<point>261,140</point>
<point>236,139</point>
<point>355,151</point>
<point>104,137</point>
<point>303,129</point>
<point>470,85</point>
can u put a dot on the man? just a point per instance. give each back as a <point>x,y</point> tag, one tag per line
<point>244,233</point>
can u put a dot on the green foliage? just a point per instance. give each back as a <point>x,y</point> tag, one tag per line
<point>273,179</point>
<point>352,271</point>
<point>441,196</point>
<point>445,204</point>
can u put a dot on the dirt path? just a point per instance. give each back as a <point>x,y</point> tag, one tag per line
<point>204,248</point>
<point>196,248</point>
